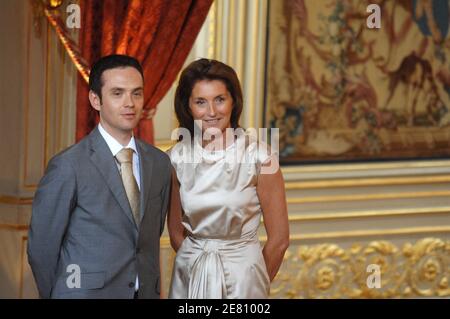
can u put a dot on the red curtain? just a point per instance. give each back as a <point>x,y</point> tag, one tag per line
<point>159,33</point>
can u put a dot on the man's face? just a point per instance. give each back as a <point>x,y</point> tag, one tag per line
<point>122,100</point>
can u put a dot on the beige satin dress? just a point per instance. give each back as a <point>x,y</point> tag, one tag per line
<point>222,256</point>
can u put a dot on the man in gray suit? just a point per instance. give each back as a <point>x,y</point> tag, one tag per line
<point>100,208</point>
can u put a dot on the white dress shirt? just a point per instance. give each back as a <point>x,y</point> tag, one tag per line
<point>115,148</point>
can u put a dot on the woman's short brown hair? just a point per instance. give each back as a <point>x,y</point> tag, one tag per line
<point>206,69</point>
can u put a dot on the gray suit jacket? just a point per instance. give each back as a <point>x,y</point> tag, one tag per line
<point>81,216</point>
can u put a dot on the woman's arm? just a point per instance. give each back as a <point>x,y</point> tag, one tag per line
<point>272,198</point>
<point>174,217</point>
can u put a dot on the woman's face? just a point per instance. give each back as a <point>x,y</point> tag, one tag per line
<point>211,103</point>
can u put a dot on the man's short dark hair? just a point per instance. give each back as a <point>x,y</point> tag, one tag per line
<point>110,62</point>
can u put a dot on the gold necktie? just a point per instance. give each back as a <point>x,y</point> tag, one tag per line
<point>125,158</point>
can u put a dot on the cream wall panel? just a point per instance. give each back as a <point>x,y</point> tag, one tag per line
<point>344,206</point>
<point>16,280</point>
<point>8,215</point>
<point>387,191</point>
<point>37,104</point>
<point>10,256</point>
<point>67,101</point>
<point>165,121</point>
<point>27,285</point>
<point>370,223</point>
<point>366,170</point>
<point>35,110</point>
<point>11,97</point>
<point>15,274</point>
<point>61,98</point>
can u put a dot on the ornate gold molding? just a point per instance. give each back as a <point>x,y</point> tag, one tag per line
<point>46,154</point>
<point>364,197</point>
<point>212,31</point>
<point>35,8</point>
<point>47,94</point>
<point>418,269</point>
<point>164,145</point>
<point>352,182</point>
<point>165,242</point>
<point>15,200</point>
<point>22,264</point>
<point>364,166</point>
<point>369,233</point>
<point>369,213</point>
<point>15,227</point>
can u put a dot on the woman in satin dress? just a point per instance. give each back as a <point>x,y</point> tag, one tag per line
<point>220,189</point>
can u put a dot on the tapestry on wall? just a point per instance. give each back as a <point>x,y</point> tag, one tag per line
<point>341,91</point>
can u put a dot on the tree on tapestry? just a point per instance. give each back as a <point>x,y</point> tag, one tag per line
<point>341,91</point>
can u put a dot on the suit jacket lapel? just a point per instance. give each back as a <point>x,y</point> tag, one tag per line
<point>146,170</point>
<point>102,158</point>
